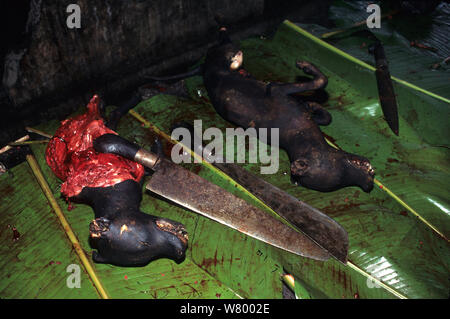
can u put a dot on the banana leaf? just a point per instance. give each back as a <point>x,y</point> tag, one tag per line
<point>398,233</point>
<point>423,67</point>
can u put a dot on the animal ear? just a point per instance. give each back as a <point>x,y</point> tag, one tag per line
<point>98,227</point>
<point>224,38</point>
<point>318,114</point>
<point>299,167</point>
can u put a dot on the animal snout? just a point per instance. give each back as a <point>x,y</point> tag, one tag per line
<point>174,228</point>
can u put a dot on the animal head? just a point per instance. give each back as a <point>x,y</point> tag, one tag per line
<point>331,169</point>
<point>136,239</point>
<point>225,55</point>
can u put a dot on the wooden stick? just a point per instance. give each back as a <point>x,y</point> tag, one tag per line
<point>33,130</point>
<point>68,230</point>
<point>8,147</point>
<point>28,142</point>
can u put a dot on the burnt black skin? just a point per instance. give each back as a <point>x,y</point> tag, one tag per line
<point>248,102</point>
<point>143,238</point>
<point>122,234</point>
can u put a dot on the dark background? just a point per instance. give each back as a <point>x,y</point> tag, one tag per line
<point>53,70</point>
<point>49,70</point>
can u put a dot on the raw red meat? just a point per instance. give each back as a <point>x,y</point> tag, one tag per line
<point>71,156</point>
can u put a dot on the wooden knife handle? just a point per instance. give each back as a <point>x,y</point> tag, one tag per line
<point>115,144</point>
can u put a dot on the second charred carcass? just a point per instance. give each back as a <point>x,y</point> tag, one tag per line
<point>247,102</point>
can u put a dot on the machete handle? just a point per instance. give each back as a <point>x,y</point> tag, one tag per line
<point>115,144</point>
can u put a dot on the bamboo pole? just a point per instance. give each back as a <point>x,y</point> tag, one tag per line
<point>68,230</point>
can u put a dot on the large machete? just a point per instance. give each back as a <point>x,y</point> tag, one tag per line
<point>189,190</point>
<point>323,230</point>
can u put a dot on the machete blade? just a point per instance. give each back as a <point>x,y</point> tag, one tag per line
<point>323,230</point>
<point>387,98</point>
<point>199,195</point>
<point>196,193</point>
<point>385,87</point>
<point>320,228</point>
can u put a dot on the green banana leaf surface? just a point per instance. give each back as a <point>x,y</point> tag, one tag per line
<point>392,254</point>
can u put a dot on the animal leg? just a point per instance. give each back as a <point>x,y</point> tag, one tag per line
<point>197,71</point>
<point>319,81</point>
<point>318,114</point>
<point>177,88</point>
<point>117,114</point>
<point>145,92</point>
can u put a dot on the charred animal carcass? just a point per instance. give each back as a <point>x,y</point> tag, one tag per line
<point>111,185</point>
<point>247,102</point>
